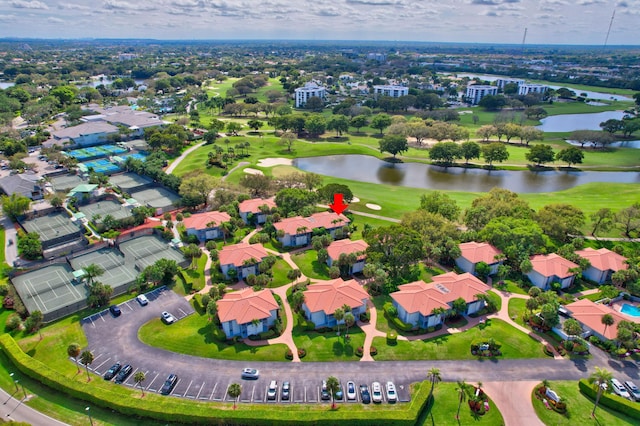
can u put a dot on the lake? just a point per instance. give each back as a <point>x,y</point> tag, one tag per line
<point>571,122</point>
<point>6,84</point>
<point>364,168</point>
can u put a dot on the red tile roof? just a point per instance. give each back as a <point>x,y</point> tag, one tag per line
<point>421,297</point>
<point>603,259</point>
<point>246,305</point>
<point>200,220</point>
<point>333,295</point>
<point>590,314</point>
<point>253,205</point>
<point>317,220</point>
<point>552,265</point>
<point>336,248</point>
<point>479,252</point>
<point>236,254</point>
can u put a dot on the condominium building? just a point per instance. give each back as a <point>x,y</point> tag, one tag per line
<point>477,92</point>
<point>525,89</point>
<point>309,90</point>
<point>393,91</point>
<point>501,82</point>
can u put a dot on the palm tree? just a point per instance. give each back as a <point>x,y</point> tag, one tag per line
<point>73,350</point>
<point>607,320</point>
<point>349,320</point>
<point>434,376</point>
<point>339,316</point>
<point>462,396</point>
<point>92,271</point>
<point>333,385</point>
<point>602,379</point>
<point>234,392</point>
<point>86,358</point>
<point>139,377</point>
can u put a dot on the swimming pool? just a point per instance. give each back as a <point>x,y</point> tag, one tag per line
<point>630,310</point>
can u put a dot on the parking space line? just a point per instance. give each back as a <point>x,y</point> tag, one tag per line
<point>154,379</point>
<point>214,389</point>
<point>201,387</point>
<point>186,392</point>
<point>226,393</point>
<point>128,306</point>
<point>98,366</point>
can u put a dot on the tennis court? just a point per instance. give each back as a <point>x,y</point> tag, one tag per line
<point>51,290</point>
<point>129,181</point>
<point>112,149</point>
<point>119,272</point>
<point>158,198</point>
<point>102,166</point>
<point>65,182</point>
<point>53,228</point>
<point>136,156</point>
<point>146,250</point>
<point>104,208</point>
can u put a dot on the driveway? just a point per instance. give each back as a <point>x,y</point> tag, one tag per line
<point>10,250</point>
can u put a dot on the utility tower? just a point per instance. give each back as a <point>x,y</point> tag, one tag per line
<point>613,15</point>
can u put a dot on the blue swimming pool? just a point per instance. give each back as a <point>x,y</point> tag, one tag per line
<point>630,310</point>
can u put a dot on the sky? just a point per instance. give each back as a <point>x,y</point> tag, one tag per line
<point>482,21</point>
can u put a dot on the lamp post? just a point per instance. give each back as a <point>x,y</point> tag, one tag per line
<point>15,382</point>
<point>89,414</point>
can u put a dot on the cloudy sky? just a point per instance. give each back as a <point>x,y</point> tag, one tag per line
<point>499,21</point>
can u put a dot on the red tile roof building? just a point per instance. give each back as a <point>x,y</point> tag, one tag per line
<point>297,230</point>
<point>238,310</point>
<point>321,300</point>
<point>551,268</point>
<point>242,257</point>
<point>590,314</point>
<point>603,262</point>
<point>206,225</point>
<point>253,206</point>
<point>346,246</point>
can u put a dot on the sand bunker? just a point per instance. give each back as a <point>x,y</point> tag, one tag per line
<point>270,162</point>
<point>251,171</point>
<point>373,206</point>
<point>355,200</point>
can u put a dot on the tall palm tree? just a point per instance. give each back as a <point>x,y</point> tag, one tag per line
<point>86,358</point>
<point>602,379</point>
<point>607,320</point>
<point>349,320</point>
<point>462,396</point>
<point>333,385</point>
<point>73,350</point>
<point>140,377</point>
<point>93,271</point>
<point>234,392</point>
<point>339,316</point>
<point>434,376</point>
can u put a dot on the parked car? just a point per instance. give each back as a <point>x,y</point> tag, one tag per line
<point>272,392</point>
<point>619,390</point>
<point>376,392</point>
<point>392,396</point>
<point>286,391</point>
<point>124,373</point>
<point>324,392</point>
<point>142,300</point>
<point>339,395</point>
<point>365,396</point>
<point>351,391</point>
<point>167,317</point>
<point>633,390</point>
<point>115,310</point>
<point>111,373</point>
<point>250,374</point>
<point>169,384</point>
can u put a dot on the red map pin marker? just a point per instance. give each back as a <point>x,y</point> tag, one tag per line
<point>338,205</point>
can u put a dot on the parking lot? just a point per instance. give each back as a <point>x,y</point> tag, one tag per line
<point>114,339</point>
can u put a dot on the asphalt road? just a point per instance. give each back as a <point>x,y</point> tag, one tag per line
<point>116,339</point>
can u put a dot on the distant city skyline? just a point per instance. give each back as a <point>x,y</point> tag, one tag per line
<point>583,22</point>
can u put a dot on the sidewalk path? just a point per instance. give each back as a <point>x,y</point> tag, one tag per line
<point>15,410</point>
<point>513,399</point>
<point>178,160</point>
<point>370,332</point>
<point>10,251</point>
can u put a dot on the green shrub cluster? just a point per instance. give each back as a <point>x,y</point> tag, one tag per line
<point>188,411</point>
<point>613,402</point>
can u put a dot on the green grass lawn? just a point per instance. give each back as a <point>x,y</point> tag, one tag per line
<point>445,406</point>
<point>517,307</point>
<point>457,346</point>
<point>194,335</point>
<point>579,409</point>
<point>329,346</point>
<point>308,264</point>
<point>511,287</point>
<point>280,270</point>
<point>194,279</point>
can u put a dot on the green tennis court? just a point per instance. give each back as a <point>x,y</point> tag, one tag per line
<point>53,228</point>
<point>118,270</point>
<point>104,208</point>
<point>146,250</point>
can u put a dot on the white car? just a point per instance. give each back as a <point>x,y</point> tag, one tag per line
<point>392,396</point>
<point>168,318</point>
<point>272,392</point>
<point>619,390</point>
<point>633,390</point>
<point>142,300</point>
<point>351,391</point>
<point>376,392</point>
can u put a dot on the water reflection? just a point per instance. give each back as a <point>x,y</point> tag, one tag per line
<point>364,168</point>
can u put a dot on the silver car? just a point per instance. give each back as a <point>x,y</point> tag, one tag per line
<point>392,396</point>
<point>376,392</point>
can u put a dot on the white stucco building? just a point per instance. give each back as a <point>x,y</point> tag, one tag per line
<point>309,90</point>
<point>393,91</point>
<point>476,92</point>
<point>525,89</point>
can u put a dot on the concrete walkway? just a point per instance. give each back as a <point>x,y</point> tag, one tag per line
<point>178,160</point>
<point>513,399</point>
<point>370,332</point>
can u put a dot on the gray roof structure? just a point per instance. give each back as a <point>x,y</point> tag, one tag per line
<point>24,183</point>
<point>84,129</point>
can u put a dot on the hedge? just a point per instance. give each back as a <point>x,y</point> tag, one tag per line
<point>614,402</point>
<point>170,409</point>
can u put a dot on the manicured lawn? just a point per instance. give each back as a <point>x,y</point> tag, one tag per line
<point>382,323</point>
<point>495,298</point>
<point>445,407</point>
<point>194,335</point>
<point>510,287</point>
<point>194,279</point>
<point>280,270</point>
<point>308,264</point>
<point>517,307</point>
<point>579,409</point>
<point>329,346</point>
<point>457,346</point>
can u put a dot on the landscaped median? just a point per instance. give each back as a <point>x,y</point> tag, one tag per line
<point>128,401</point>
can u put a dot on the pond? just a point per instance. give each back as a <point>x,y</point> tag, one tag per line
<point>364,168</point>
<point>6,84</point>
<point>571,122</point>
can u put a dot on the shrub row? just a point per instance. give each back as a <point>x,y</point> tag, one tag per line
<point>169,409</point>
<point>390,313</point>
<point>614,402</point>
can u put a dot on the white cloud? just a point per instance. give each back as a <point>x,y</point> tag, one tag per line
<point>23,4</point>
<point>54,20</point>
